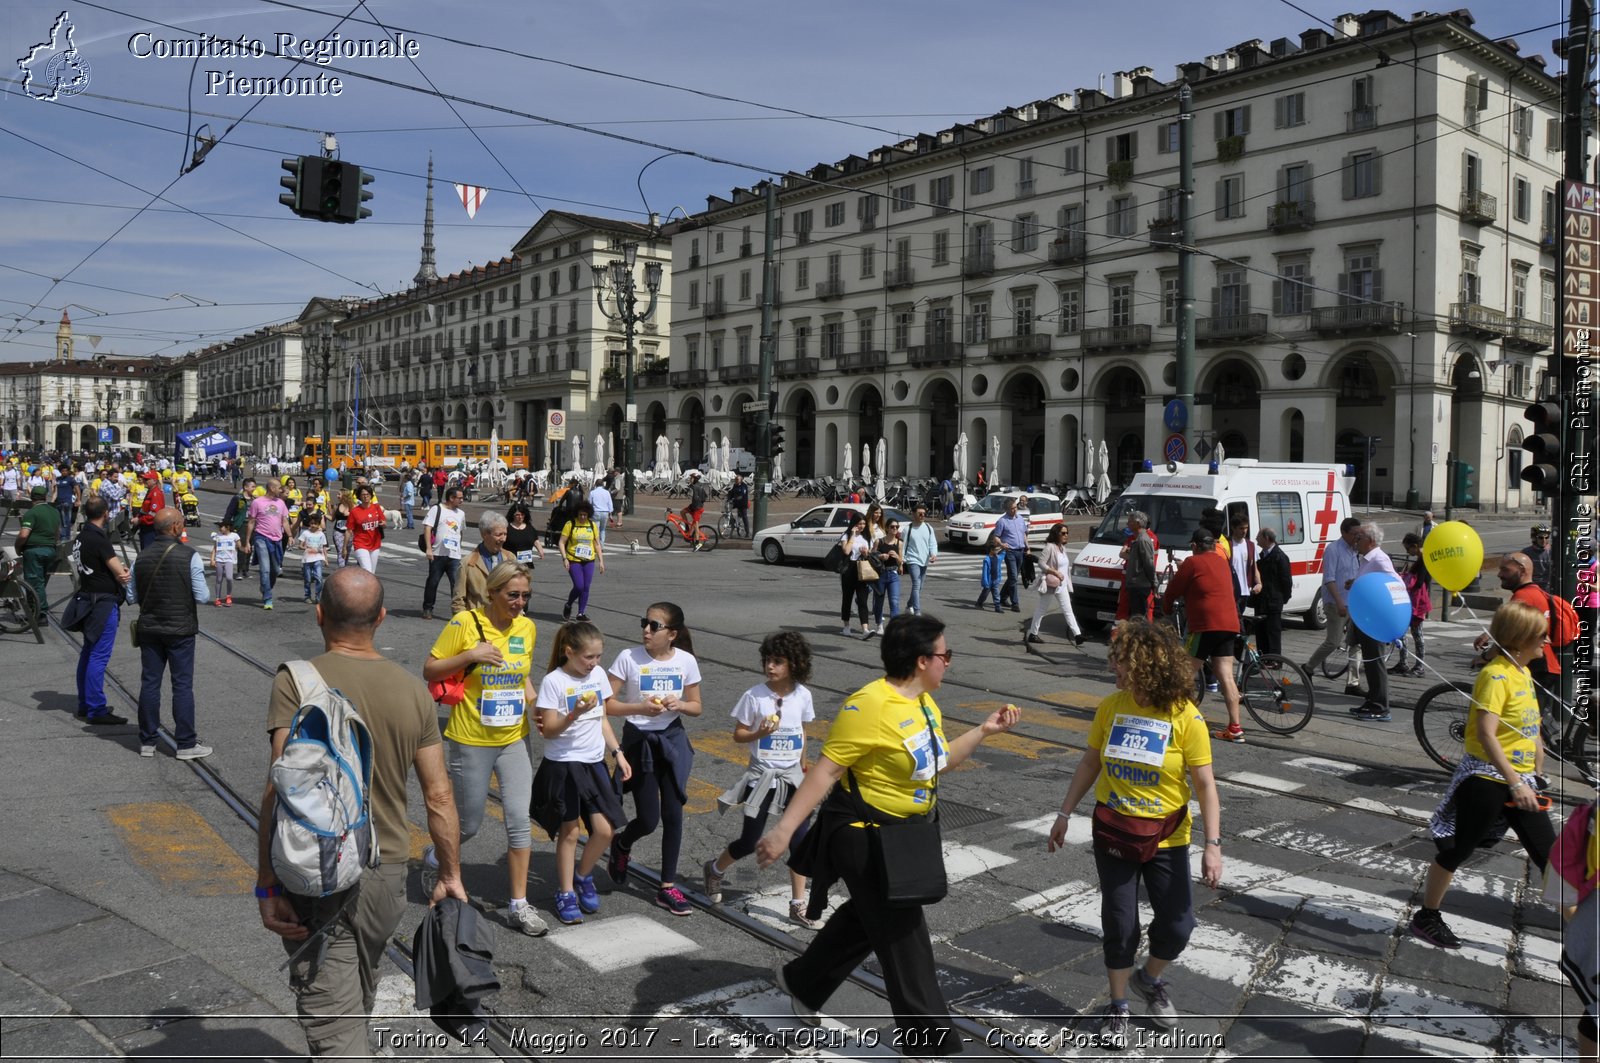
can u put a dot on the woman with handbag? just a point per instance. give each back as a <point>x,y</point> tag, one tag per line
<point>856,575</point>
<point>481,665</point>
<point>877,784</point>
<point>889,552</point>
<point>1149,751</point>
<point>1056,580</point>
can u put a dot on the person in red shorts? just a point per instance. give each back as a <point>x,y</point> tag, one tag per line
<point>697,505</point>
<point>1205,583</point>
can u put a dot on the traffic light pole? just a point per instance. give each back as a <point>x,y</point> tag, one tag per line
<point>764,419</point>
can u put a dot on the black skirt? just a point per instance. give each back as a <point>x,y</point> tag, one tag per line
<point>565,790</point>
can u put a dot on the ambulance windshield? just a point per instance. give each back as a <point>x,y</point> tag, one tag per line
<point>1173,518</point>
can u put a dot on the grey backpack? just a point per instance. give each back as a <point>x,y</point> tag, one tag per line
<point>322,835</point>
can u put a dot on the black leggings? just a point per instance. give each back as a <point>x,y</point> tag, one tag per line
<point>755,826</point>
<point>655,803</point>
<point>1479,802</point>
<point>852,587</point>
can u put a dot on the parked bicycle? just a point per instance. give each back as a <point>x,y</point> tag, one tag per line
<point>661,536</point>
<point>733,523</point>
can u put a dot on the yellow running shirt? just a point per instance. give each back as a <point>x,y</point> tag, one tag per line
<point>1145,756</point>
<point>883,738</point>
<point>1506,691</point>
<point>495,710</point>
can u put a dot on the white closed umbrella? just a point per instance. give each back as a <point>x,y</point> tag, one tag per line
<point>849,463</point>
<point>677,458</point>
<point>661,455</point>
<point>1221,454</point>
<point>994,461</point>
<point>962,447</point>
<point>1103,488</point>
<point>727,455</point>
<point>611,448</point>
<point>866,463</point>
<point>577,453</point>
<point>883,465</point>
<point>777,467</point>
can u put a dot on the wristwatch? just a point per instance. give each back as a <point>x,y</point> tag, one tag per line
<point>1214,841</point>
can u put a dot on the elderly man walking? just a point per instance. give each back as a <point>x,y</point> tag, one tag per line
<point>169,581</point>
<point>1369,546</point>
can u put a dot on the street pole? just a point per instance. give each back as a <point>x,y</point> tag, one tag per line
<point>325,363</point>
<point>618,274</point>
<point>1185,340</point>
<point>764,387</point>
<point>630,412</point>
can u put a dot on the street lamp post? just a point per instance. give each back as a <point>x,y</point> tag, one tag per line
<point>111,396</point>
<point>619,276</point>
<point>323,354</point>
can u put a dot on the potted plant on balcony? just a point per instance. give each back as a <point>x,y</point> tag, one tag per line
<point>1230,149</point>
<point>1119,173</point>
<point>611,377</point>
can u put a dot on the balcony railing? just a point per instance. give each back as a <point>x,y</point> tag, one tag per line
<point>1526,335</point>
<point>899,277</point>
<point>745,249</point>
<point>1165,232</point>
<point>863,361</point>
<point>945,352</point>
<point>1479,207</point>
<point>654,376</point>
<point>1116,338</point>
<point>1361,118</point>
<point>694,261</point>
<point>1547,242</point>
<point>1475,319</point>
<point>498,343</point>
<point>715,308</point>
<point>689,378</point>
<point>1068,248</point>
<point>1292,215</point>
<point>1357,317</point>
<point>1230,328</point>
<point>1031,346</point>
<point>741,373</point>
<point>977,264</point>
<point>789,368</point>
<point>458,391</point>
<point>829,289</point>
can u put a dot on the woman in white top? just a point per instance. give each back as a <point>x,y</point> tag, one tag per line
<point>856,548</point>
<point>1055,579</point>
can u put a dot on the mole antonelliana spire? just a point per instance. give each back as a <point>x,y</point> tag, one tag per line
<point>426,273</point>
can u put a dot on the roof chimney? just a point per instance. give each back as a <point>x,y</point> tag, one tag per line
<point>1346,25</point>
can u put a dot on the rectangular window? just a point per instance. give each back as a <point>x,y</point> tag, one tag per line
<point>1471,290</point>
<point>1167,138</point>
<point>716,243</point>
<point>835,267</point>
<point>1022,314</point>
<point>802,226</point>
<point>1280,511</point>
<point>869,261</point>
<point>1230,196</point>
<point>867,212</point>
<point>744,285</point>
<point>1024,177</point>
<point>1521,199</point>
<point>1025,232</point>
<point>1233,294</point>
<point>902,329</point>
<point>981,180</point>
<point>1477,100</point>
<point>1169,298</point>
<point>1123,147</point>
<point>1363,103</point>
<point>1547,299</point>
<point>1121,218</point>
<point>1361,175</point>
<point>742,345</point>
<point>1519,292</point>
<point>716,290</point>
<point>694,301</point>
<point>941,190</point>
<point>832,339</point>
<point>1233,122</point>
<point>802,273</point>
<point>833,215</point>
<point>1290,111</point>
<point>716,351</point>
<point>936,329</point>
<point>1293,288</point>
<point>903,199</point>
<point>802,341</point>
<point>941,247</point>
<point>694,259</point>
<point>978,321</point>
<point>1071,310</point>
<point>1072,159</point>
<point>694,352</point>
<point>1121,294</point>
<point>867,332</point>
<point>1360,283</point>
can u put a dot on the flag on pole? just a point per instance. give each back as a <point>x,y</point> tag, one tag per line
<point>472,198</point>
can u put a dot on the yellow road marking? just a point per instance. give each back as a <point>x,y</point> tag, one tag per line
<point>702,796</point>
<point>180,849</point>
<point>720,744</point>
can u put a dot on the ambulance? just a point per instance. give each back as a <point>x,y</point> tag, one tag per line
<point>1304,503</point>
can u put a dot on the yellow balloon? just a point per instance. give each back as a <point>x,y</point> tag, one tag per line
<point>1454,554</point>
<point>259,492</point>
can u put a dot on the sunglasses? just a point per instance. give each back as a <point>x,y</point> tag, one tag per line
<point>947,656</point>
<point>652,626</point>
<point>519,596</point>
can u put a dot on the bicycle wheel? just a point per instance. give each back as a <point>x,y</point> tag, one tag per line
<point>1278,693</point>
<point>660,536</point>
<point>709,537</point>
<point>1336,663</point>
<point>1440,719</point>
<point>17,612</point>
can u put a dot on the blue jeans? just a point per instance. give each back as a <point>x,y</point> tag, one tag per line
<point>269,563</point>
<point>405,507</point>
<point>1008,591</point>
<point>69,514</point>
<point>601,520</point>
<point>439,566</point>
<point>157,654</point>
<point>311,572</point>
<point>888,586</point>
<point>917,573</point>
<point>92,661</point>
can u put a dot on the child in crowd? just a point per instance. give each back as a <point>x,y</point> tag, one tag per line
<point>771,719</point>
<point>655,685</point>
<point>314,543</point>
<point>1415,577</point>
<point>994,572</point>
<point>224,555</point>
<point>572,785</point>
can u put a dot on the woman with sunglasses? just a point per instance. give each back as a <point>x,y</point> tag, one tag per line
<point>880,763</point>
<point>488,728</point>
<point>890,553</point>
<point>655,685</point>
<point>1055,580</point>
<point>852,587</point>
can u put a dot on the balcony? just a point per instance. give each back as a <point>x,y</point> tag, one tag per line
<point>1116,338</point>
<point>715,308</point>
<point>863,361</point>
<point>829,289</point>
<point>745,249</point>
<point>652,376</point>
<point>498,343</point>
<point>790,368</point>
<point>470,348</point>
<point>1005,348</point>
<point>1356,318</point>
<point>899,277</point>
<point>977,263</point>
<point>1067,249</point>
<point>1547,242</point>
<point>1361,118</point>
<point>1291,216</point>
<point>572,324</point>
<point>694,261</point>
<point>1165,232</point>
<point>945,352</point>
<point>1477,320</point>
<point>458,391</point>
<point>1232,328</point>
<point>1524,335</point>
<point>743,373</point>
<point>1478,207</point>
<point>689,378</point>
<point>1025,188</point>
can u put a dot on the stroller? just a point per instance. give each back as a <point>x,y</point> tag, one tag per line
<point>191,508</point>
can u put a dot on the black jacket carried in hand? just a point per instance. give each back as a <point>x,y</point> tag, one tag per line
<point>453,958</point>
<point>1277,584</point>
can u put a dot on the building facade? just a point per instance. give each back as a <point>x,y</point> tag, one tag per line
<point>1374,234</point>
<point>63,404</point>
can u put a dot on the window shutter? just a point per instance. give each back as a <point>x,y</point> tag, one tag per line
<point>1277,297</point>
<point>1244,301</point>
<point>1349,177</point>
<point>1111,150</point>
<point>1216,124</point>
<point>1377,174</point>
<point>1344,288</point>
<point>1222,200</point>
<point>1472,92</point>
<point>1280,107</point>
<point>1308,293</point>
<point>1283,184</point>
<point>1483,94</point>
<point>1552,134</point>
<point>1113,216</point>
<point>1216,302</point>
<point>1377,285</point>
<point>1244,120</point>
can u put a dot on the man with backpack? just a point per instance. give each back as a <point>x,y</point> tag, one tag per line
<point>334,977</point>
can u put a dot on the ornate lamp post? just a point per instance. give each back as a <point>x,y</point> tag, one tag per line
<point>618,275</point>
<point>322,354</point>
<point>111,396</point>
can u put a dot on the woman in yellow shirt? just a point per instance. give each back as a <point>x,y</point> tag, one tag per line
<point>488,727</point>
<point>1149,750</point>
<point>1504,753</point>
<point>885,750</point>
<point>583,555</point>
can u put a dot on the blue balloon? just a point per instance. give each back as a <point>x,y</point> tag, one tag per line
<point>332,475</point>
<point>1380,606</point>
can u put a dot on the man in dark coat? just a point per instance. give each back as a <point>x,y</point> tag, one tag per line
<point>1277,587</point>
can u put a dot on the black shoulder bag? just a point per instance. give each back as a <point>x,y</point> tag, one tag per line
<point>910,848</point>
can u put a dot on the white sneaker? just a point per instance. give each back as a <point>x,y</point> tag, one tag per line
<point>194,753</point>
<point>801,1012</point>
<point>527,920</point>
<point>847,632</point>
<point>147,751</point>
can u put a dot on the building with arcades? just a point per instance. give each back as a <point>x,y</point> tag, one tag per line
<point>62,404</point>
<point>1374,216</point>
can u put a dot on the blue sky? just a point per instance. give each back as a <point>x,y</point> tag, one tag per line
<point>218,256</point>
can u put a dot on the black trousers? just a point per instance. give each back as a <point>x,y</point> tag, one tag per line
<point>1372,664</point>
<point>1480,803</point>
<point>898,936</point>
<point>1269,632</point>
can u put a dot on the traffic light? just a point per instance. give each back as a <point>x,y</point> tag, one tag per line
<point>291,198</point>
<point>774,440</point>
<point>355,194</point>
<point>1372,445</point>
<point>330,189</point>
<point>1544,443</point>
<point>306,185</point>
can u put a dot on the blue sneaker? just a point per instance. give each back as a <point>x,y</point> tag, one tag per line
<point>588,896</point>
<point>567,908</point>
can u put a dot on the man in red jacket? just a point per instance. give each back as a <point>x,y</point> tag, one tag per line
<point>155,500</point>
<point>1205,584</point>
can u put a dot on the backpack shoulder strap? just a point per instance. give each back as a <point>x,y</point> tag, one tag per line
<point>308,682</point>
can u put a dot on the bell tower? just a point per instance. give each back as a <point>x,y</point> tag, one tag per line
<point>64,339</point>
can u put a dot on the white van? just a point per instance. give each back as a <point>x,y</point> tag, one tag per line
<point>1303,503</point>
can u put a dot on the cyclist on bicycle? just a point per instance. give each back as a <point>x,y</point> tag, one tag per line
<point>739,501</point>
<point>697,505</point>
<point>1205,584</point>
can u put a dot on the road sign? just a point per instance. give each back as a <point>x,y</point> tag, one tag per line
<point>753,407</point>
<point>1201,449</point>
<point>1580,254</point>
<point>555,425</point>
<point>1176,416</point>
<point>1176,448</point>
<point>105,435</point>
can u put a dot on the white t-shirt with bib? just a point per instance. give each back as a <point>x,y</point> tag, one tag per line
<point>644,677</point>
<point>786,745</point>
<point>584,742</point>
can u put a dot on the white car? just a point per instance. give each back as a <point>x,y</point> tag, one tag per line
<point>812,534</point>
<point>974,526</point>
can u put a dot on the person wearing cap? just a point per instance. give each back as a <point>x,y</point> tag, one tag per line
<point>1538,551</point>
<point>1205,584</point>
<point>697,505</point>
<point>155,500</point>
<point>36,542</point>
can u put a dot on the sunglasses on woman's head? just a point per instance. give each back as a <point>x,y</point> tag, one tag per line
<point>652,626</point>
